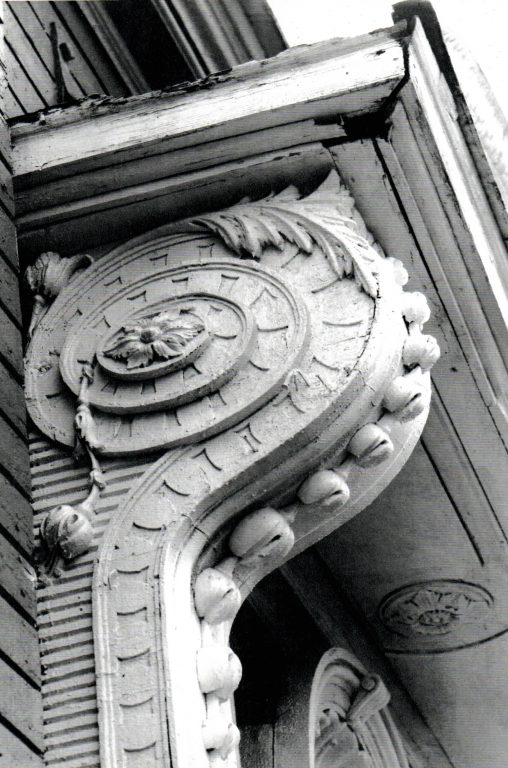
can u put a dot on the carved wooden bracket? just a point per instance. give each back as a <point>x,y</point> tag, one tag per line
<point>340,718</point>
<point>270,359</point>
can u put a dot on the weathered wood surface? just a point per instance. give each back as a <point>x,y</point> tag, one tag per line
<point>10,344</point>
<point>31,62</point>
<point>9,290</point>
<point>21,702</point>
<point>21,705</point>
<point>16,517</point>
<point>12,404</point>
<point>17,578</point>
<point>8,248</point>
<point>14,753</point>
<point>103,181</point>
<point>131,210</point>
<point>336,78</point>
<point>19,642</point>
<point>13,456</point>
<point>39,83</point>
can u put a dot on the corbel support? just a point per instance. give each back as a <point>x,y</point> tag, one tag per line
<point>270,358</point>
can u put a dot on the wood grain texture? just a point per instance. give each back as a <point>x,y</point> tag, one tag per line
<point>92,67</point>
<point>10,343</point>
<point>9,291</point>
<point>13,456</point>
<point>25,52</point>
<point>14,752</point>
<point>17,578</point>
<point>333,77</point>
<point>24,90</point>
<point>21,705</point>
<point>8,249</point>
<point>16,517</point>
<point>19,642</point>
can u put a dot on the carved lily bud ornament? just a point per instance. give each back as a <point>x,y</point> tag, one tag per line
<point>421,350</point>
<point>216,597</point>
<point>68,530</point>
<point>219,671</point>
<point>406,397</point>
<point>371,445</point>
<point>262,534</point>
<point>324,487</point>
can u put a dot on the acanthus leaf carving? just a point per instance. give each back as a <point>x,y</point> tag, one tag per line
<point>47,277</point>
<point>294,383</point>
<point>320,219</point>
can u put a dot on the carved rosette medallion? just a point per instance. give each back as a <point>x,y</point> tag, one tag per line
<point>435,609</point>
<point>150,347</point>
<point>271,357</point>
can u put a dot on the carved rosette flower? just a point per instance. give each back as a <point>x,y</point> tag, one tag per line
<point>161,337</point>
<point>434,610</point>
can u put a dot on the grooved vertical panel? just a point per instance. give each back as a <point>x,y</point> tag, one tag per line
<point>71,734</point>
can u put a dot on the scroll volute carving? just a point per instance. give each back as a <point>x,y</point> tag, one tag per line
<point>337,716</point>
<point>280,392</point>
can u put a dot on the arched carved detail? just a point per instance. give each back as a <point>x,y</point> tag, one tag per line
<point>349,721</point>
<point>294,389</point>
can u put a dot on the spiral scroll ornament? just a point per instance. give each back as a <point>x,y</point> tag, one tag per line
<point>270,358</point>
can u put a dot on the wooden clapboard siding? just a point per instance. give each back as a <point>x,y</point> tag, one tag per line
<point>91,52</point>
<point>24,22</point>
<point>23,87</point>
<point>8,240</point>
<point>16,518</point>
<point>11,352</point>
<point>14,753</point>
<point>19,642</point>
<point>65,607</point>
<point>21,702</point>
<point>30,57</point>
<point>26,51</point>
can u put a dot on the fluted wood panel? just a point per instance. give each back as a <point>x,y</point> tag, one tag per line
<point>65,607</point>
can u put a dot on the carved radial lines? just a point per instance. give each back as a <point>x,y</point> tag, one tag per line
<point>310,392</point>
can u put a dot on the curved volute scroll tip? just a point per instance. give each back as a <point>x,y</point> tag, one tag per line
<point>46,278</point>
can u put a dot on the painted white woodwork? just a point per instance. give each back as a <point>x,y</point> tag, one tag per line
<point>257,344</point>
<point>420,195</point>
<point>338,716</point>
<point>329,78</point>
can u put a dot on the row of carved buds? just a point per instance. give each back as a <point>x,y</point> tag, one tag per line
<point>261,538</point>
<point>405,398</point>
<point>266,537</point>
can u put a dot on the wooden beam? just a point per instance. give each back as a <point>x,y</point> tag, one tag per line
<point>333,78</point>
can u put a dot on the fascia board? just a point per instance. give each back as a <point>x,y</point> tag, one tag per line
<point>338,77</point>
